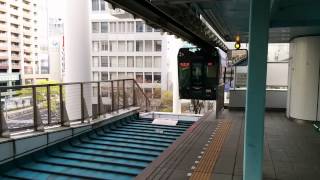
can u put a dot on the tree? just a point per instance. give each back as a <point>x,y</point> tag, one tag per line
<point>42,94</point>
<point>166,102</point>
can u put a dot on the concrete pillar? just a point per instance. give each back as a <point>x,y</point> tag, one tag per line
<point>77,54</point>
<point>303,81</point>
<point>256,90</point>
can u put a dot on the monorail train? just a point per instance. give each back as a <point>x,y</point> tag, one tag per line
<point>200,72</point>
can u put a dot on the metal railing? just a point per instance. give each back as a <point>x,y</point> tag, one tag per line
<point>35,107</point>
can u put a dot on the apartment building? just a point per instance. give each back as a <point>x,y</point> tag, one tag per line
<point>19,42</point>
<point>124,47</point>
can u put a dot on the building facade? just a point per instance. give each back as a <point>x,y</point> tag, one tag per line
<point>124,47</point>
<point>19,44</point>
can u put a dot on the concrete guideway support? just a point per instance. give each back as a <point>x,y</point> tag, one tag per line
<point>255,103</point>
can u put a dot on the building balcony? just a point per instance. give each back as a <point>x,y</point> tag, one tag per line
<point>15,48</point>
<point>15,66</point>
<point>27,7</point>
<point>27,24</point>
<point>3,27</point>
<point>3,56</point>
<point>3,8</point>
<point>27,32</point>
<point>3,1</point>
<point>15,30</point>
<point>27,58</point>
<point>15,3</point>
<point>3,37</point>
<point>4,46</point>
<point>27,49</point>
<point>27,41</point>
<point>4,66</point>
<point>14,12</point>
<point>15,21</point>
<point>15,39</point>
<point>27,15</point>
<point>28,69</point>
<point>15,57</point>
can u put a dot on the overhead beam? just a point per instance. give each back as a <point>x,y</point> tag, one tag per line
<point>153,15</point>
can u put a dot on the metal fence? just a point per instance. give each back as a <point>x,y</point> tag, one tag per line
<point>35,107</point>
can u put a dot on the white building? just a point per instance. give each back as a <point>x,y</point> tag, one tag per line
<point>124,47</point>
<point>19,41</point>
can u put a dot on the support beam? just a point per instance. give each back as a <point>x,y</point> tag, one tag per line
<point>255,104</point>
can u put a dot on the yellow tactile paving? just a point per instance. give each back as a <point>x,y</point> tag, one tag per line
<point>204,169</point>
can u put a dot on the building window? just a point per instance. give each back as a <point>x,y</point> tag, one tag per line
<point>130,61</point>
<point>139,26</point>
<point>157,93</point>
<point>113,76</point>
<point>157,77</point>
<point>102,5</point>
<point>147,77</point>
<point>113,46</point>
<point>139,46</point>
<point>148,28</point>
<point>95,61</point>
<point>130,75</point>
<point>148,62</point>
<point>122,27</point>
<point>113,61</point>
<point>130,26</point>
<point>104,76</point>
<point>121,61</point>
<point>130,46</point>
<point>157,62</point>
<point>95,5</point>
<point>95,76</point>
<point>104,45</point>
<point>139,77</point>
<point>95,27</point>
<point>94,91</point>
<point>121,75</point>
<point>148,45</point>
<point>104,27</point>
<point>139,61</point>
<point>148,92</point>
<point>113,27</point>
<point>104,61</point>
<point>122,46</point>
<point>95,46</point>
<point>157,45</point>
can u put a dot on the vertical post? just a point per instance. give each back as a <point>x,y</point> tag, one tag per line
<point>99,99</point>
<point>118,97</point>
<point>256,91</point>
<point>124,93</point>
<point>134,93</point>
<point>37,122</point>
<point>82,102</point>
<point>49,104</point>
<point>61,104</point>
<point>112,97</point>
<point>4,131</point>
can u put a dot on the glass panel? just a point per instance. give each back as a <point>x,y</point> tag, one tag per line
<point>122,61</point>
<point>157,45</point>
<point>95,27</point>
<point>104,76</point>
<point>113,46</point>
<point>139,77</point>
<point>157,62</point>
<point>130,46</point>
<point>95,5</point>
<point>104,27</point>
<point>157,77</point>
<point>104,61</point>
<point>148,44</point>
<point>122,46</point>
<point>95,61</point>
<point>139,46</point>
<point>130,61</point>
<point>113,76</point>
<point>104,45</point>
<point>148,28</point>
<point>139,26</point>
<point>148,77</point>
<point>148,61</point>
<point>95,46</point>
<point>139,61</point>
<point>113,61</point>
<point>102,5</point>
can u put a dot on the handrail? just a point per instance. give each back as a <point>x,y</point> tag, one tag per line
<point>62,103</point>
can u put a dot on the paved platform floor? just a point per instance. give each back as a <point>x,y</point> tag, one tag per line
<point>292,150</point>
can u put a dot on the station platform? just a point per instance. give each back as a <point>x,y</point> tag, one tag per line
<point>292,150</point>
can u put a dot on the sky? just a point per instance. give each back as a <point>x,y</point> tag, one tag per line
<point>56,8</point>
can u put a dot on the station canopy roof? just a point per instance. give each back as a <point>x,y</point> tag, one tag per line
<point>288,18</point>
